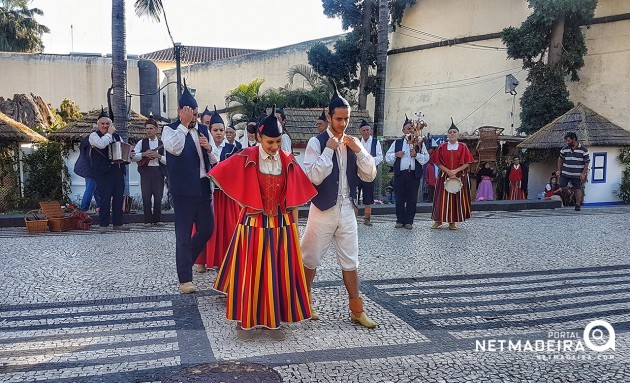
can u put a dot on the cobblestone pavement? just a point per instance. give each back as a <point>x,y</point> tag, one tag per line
<point>84,307</point>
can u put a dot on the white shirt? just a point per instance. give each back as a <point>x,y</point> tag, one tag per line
<point>216,150</point>
<point>379,151</point>
<point>454,146</point>
<point>153,144</point>
<point>175,139</point>
<point>269,164</point>
<point>100,142</point>
<point>318,164</point>
<point>286,143</point>
<point>406,161</point>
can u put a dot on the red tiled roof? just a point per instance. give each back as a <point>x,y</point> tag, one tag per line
<point>194,55</point>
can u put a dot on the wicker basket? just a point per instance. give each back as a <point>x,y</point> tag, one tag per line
<point>57,220</point>
<point>34,223</point>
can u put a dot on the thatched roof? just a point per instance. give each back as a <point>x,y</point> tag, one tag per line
<point>76,130</point>
<point>301,123</point>
<point>13,131</point>
<point>591,129</point>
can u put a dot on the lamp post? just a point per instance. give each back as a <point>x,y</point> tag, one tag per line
<point>177,47</point>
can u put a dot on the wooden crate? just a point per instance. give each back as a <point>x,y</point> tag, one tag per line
<point>57,220</point>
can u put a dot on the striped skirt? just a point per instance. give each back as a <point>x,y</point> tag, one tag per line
<point>226,213</point>
<point>262,273</point>
<point>449,207</point>
<point>515,191</point>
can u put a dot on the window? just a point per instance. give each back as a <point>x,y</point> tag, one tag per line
<point>163,102</point>
<point>599,168</point>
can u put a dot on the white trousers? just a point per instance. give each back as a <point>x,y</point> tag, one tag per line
<point>338,224</point>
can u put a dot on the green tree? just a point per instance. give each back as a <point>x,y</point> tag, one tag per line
<point>19,31</point>
<point>69,111</point>
<point>551,44</point>
<point>245,100</point>
<point>48,177</point>
<point>357,50</point>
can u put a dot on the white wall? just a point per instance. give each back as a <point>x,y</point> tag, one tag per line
<point>461,80</point>
<point>84,80</point>
<point>604,192</point>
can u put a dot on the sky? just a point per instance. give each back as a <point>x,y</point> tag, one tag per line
<point>254,24</point>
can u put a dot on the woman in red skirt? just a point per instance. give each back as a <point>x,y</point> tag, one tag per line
<point>453,159</point>
<point>262,274</point>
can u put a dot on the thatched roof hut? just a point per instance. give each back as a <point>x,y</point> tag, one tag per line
<point>76,130</point>
<point>13,131</point>
<point>301,123</point>
<point>591,129</point>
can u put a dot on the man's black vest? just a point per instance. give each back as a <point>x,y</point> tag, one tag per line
<point>101,163</point>
<point>398,145</point>
<point>183,170</point>
<point>144,147</point>
<point>328,190</point>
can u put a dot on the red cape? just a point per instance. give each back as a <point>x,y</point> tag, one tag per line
<point>238,178</point>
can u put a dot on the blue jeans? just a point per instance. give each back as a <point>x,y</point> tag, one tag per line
<point>90,191</point>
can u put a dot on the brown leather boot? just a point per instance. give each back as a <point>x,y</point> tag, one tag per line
<point>357,315</point>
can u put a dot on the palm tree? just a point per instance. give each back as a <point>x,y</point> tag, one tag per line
<point>154,9</point>
<point>19,31</point>
<point>309,74</point>
<point>119,68</point>
<point>381,65</point>
<point>248,100</point>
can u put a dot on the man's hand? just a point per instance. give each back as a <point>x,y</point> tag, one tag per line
<point>583,177</point>
<point>400,154</point>
<point>352,143</point>
<point>332,143</point>
<point>451,173</point>
<point>557,173</point>
<point>213,159</point>
<point>413,153</point>
<point>111,129</point>
<point>203,142</point>
<point>186,115</point>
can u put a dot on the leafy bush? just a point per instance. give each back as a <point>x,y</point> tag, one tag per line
<point>624,187</point>
<point>47,175</point>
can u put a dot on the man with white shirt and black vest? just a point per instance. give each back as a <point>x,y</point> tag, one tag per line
<point>335,162</point>
<point>188,159</point>
<point>151,159</point>
<point>373,147</point>
<point>110,176</point>
<point>407,162</point>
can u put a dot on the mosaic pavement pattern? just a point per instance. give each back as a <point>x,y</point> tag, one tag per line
<point>85,307</point>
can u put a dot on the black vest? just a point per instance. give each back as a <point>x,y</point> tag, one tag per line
<point>101,163</point>
<point>144,147</point>
<point>398,144</point>
<point>328,190</point>
<point>183,170</point>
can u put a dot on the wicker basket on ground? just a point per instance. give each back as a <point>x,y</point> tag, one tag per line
<point>35,222</point>
<point>57,220</point>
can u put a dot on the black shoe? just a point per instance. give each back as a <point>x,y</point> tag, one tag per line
<point>578,208</point>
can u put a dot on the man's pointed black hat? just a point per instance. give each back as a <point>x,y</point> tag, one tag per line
<point>322,117</point>
<point>336,100</point>
<point>187,99</point>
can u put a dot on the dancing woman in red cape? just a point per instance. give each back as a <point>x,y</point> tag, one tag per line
<point>262,273</point>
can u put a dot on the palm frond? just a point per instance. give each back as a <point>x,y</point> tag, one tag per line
<point>151,8</point>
